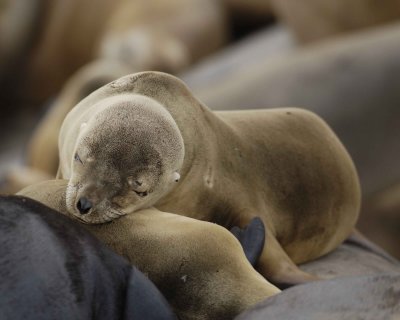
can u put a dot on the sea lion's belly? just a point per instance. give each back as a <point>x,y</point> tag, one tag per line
<point>296,170</point>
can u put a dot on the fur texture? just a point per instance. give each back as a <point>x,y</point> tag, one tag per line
<point>284,165</point>
<point>199,266</point>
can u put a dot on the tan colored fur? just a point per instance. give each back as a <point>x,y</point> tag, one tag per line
<point>284,165</point>
<point>199,266</point>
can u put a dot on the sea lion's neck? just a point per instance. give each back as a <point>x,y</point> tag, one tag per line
<point>205,137</point>
<point>202,131</point>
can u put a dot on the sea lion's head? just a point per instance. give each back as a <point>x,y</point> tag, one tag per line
<point>127,156</point>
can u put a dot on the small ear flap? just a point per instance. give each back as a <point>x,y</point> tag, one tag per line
<point>58,175</point>
<point>176,176</point>
<point>144,301</point>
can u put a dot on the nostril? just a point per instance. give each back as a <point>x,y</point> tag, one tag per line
<point>84,205</point>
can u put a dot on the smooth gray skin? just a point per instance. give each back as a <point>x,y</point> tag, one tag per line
<point>366,297</point>
<point>42,148</point>
<point>365,285</point>
<point>355,257</point>
<point>50,268</point>
<point>352,83</point>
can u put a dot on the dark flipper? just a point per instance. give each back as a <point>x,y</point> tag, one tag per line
<point>252,238</point>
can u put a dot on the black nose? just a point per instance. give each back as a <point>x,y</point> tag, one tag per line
<point>84,205</point>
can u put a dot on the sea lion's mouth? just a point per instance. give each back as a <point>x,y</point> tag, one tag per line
<point>79,219</point>
<point>94,218</point>
<point>141,194</point>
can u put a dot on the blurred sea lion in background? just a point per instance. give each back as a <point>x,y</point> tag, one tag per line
<point>199,266</point>
<point>346,81</point>
<point>41,160</point>
<point>149,34</point>
<point>41,154</point>
<point>364,297</point>
<point>163,35</point>
<point>315,20</point>
<point>249,8</point>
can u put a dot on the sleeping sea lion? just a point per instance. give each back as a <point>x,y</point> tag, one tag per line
<point>199,266</point>
<point>144,140</point>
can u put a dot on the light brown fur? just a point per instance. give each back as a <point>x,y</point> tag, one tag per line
<point>199,266</point>
<point>284,165</point>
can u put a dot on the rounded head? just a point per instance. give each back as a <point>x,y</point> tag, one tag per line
<point>127,155</point>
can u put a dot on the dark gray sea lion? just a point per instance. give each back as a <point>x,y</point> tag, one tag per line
<point>364,297</point>
<point>51,268</point>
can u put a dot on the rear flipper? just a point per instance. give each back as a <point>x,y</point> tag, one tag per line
<point>277,267</point>
<point>252,238</point>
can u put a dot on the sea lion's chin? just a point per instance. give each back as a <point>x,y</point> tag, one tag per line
<point>101,213</point>
<point>98,216</point>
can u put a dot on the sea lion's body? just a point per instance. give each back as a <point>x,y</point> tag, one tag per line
<point>284,165</point>
<point>49,273</point>
<point>199,266</point>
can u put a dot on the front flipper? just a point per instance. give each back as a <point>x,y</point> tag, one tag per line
<point>252,238</point>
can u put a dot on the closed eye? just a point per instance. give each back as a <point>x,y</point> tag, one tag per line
<point>139,186</point>
<point>76,158</point>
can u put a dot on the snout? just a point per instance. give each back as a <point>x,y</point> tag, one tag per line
<point>84,205</point>
<point>91,206</point>
<point>81,202</point>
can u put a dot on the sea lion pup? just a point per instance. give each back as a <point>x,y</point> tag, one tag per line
<point>124,147</point>
<point>199,266</point>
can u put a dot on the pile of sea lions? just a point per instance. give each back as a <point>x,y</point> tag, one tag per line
<point>157,176</point>
<point>208,214</point>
